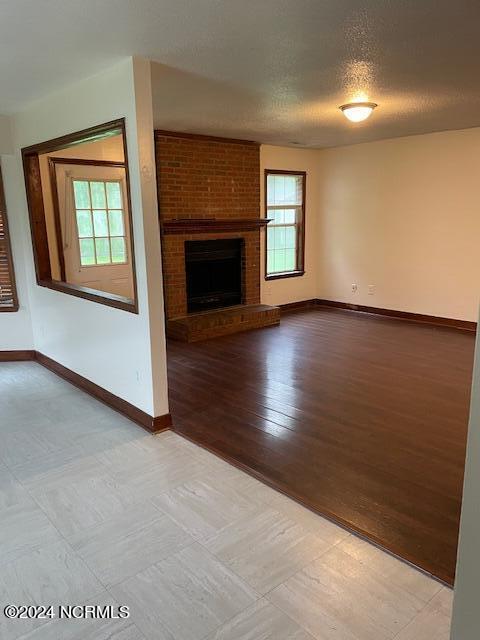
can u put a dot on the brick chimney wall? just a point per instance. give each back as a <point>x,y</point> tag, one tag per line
<point>205,177</point>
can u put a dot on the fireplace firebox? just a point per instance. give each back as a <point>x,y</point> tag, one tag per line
<point>214,273</point>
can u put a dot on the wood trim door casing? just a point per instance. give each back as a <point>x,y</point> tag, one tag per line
<point>92,134</point>
<point>89,163</point>
<point>52,166</point>
<point>300,270</point>
<point>56,215</point>
<point>36,210</point>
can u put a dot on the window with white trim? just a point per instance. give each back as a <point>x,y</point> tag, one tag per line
<point>100,222</point>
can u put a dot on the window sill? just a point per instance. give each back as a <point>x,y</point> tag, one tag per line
<point>101,297</point>
<point>286,274</point>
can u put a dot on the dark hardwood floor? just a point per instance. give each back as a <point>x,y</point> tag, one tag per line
<point>359,417</point>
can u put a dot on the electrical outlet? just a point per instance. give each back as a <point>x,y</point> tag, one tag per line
<point>371,289</point>
<point>354,288</point>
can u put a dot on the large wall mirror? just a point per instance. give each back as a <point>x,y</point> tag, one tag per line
<point>79,203</point>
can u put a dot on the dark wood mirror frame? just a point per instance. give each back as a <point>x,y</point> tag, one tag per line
<point>36,210</point>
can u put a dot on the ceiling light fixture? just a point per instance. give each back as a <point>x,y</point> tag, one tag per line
<point>357,111</point>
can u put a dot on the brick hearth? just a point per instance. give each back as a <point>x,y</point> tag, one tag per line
<point>221,322</point>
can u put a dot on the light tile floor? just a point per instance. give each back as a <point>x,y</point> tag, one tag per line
<point>93,510</point>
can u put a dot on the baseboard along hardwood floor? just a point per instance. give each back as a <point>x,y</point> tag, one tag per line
<point>465,325</point>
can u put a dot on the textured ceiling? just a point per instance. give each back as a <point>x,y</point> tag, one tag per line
<point>268,70</point>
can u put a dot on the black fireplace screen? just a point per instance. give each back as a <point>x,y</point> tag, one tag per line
<point>214,273</point>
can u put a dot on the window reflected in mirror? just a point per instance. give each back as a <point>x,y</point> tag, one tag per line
<point>87,225</point>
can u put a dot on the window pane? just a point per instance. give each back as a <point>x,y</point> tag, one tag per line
<point>270,261</point>
<point>82,194</point>
<point>284,189</point>
<point>279,260</point>
<point>98,195</point>
<point>100,223</point>
<point>277,215</point>
<point>290,259</point>
<point>290,190</point>
<point>102,246</point>
<point>114,196</point>
<point>119,253</point>
<point>279,189</point>
<point>290,237</point>
<point>290,216</point>
<point>279,237</point>
<point>299,186</point>
<point>87,252</point>
<point>271,237</point>
<point>115,219</point>
<point>270,189</point>
<point>293,190</point>
<point>84,224</point>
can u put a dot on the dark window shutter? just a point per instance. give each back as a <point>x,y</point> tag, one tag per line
<point>8,292</point>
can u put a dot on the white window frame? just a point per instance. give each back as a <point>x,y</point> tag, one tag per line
<point>91,209</point>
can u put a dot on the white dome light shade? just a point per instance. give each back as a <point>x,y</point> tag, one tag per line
<point>357,111</point>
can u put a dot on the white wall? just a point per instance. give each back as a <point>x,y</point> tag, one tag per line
<point>304,287</point>
<point>466,615</point>
<point>145,191</point>
<point>403,215</point>
<point>117,350</point>
<point>6,142</point>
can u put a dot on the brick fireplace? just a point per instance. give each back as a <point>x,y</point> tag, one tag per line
<point>209,189</point>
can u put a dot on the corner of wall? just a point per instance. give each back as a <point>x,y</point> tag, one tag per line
<point>145,156</point>
<point>465,621</point>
